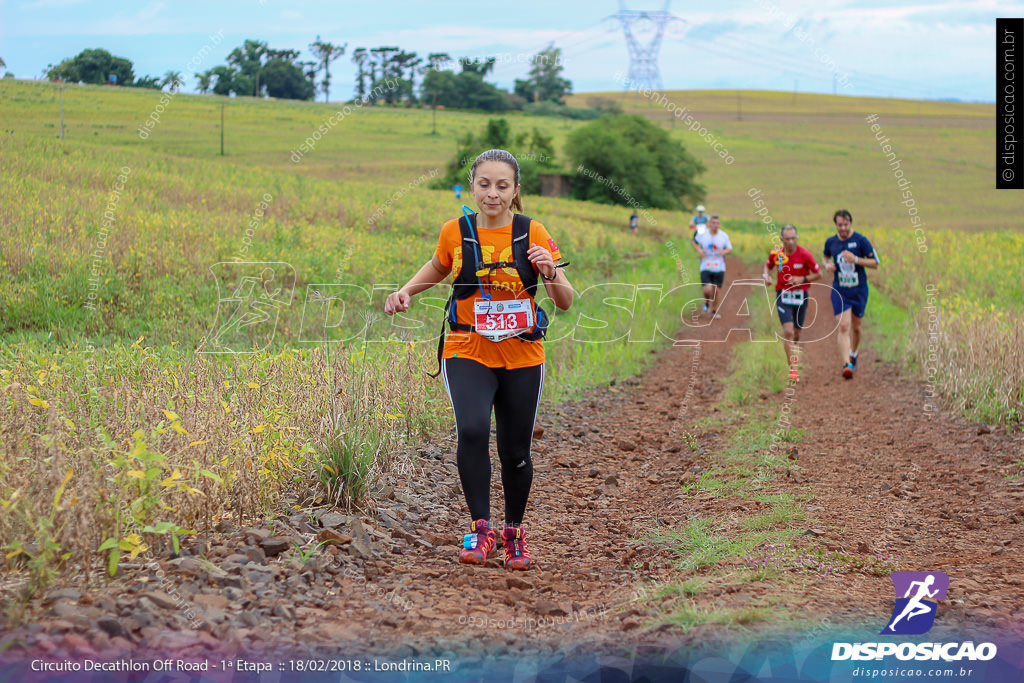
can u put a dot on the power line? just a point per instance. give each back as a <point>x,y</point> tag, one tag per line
<point>740,51</point>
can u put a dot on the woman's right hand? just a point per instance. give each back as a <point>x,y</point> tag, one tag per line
<point>397,302</point>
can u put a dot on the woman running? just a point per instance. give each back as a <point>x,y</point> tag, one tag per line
<point>493,358</point>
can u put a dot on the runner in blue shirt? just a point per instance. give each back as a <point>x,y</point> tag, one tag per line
<point>699,223</point>
<point>847,255</point>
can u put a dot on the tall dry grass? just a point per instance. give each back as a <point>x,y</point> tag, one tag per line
<point>973,364</point>
<point>128,447</point>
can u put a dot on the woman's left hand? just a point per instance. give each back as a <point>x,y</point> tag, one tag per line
<point>541,260</point>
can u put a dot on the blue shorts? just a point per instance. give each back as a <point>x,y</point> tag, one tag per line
<point>855,299</point>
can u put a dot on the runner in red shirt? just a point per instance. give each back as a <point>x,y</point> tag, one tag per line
<point>796,268</point>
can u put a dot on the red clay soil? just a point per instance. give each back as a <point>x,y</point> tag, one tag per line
<point>883,475</point>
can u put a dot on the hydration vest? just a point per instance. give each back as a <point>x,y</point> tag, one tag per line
<point>469,280</point>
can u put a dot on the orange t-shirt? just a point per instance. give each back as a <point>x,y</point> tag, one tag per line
<point>503,284</point>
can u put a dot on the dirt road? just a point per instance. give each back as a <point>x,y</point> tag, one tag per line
<point>878,474</point>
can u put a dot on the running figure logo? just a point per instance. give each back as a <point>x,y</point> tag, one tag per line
<point>250,297</point>
<point>914,612</point>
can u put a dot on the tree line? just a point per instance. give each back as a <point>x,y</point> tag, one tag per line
<point>255,69</point>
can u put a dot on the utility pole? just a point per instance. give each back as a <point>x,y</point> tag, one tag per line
<point>433,109</point>
<point>222,129</point>
<point>739,109</point>
<point>60,95</point>
<point>643,60</point>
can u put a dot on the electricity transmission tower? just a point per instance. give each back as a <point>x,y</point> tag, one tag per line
<point>643,59</point>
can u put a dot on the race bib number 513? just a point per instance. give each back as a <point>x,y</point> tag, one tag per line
<point>499,320</point>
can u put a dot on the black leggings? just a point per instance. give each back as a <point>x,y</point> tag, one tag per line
<point>514,394</point>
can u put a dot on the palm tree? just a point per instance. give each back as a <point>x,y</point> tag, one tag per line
<point>205,82</point>
<point>173,79</point>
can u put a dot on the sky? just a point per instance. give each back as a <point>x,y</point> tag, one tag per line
<point>930,50</point>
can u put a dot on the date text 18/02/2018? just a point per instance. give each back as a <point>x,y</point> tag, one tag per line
<point>328,665</point>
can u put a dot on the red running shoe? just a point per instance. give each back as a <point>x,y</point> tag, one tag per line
<point>478,544</point>
<point>517,556</point>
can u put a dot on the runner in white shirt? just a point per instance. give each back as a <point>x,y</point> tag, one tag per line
<point>712,246</point>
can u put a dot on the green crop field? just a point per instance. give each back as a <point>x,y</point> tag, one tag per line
<point>127,380</point>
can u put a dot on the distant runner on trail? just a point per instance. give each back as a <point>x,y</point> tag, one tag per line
<point>699,222</point>
<point>634,223</point>
<point>457,189</point>
<point>796,268</point>
<point>847,254</point>
<point>493,358</point>
<point>712,246</point>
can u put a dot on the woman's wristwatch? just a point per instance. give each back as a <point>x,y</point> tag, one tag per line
<point>549,279</point>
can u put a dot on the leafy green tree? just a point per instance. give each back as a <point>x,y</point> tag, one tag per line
<point>476,93</point>
<point>229,80</point>
<point>465,90</point>
<point>436,61</point>
<point>65,71</point>
<point>439,88</point>
<point>497,134</point>
<point>94,66</point>
<point>533,151</point>
<point>545,75</point>
<point>248,60</point>
<point>524,89</point>
<point>386,90</point>
<point>284,79</point>
<point>122,69</point>
<point>636,156</point>
<point>255,68</point>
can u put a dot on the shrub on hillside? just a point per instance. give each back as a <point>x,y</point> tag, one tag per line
<point>533,151</point>
<point>625,158</point>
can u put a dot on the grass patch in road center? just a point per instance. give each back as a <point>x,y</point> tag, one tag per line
<point>691,614</point>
